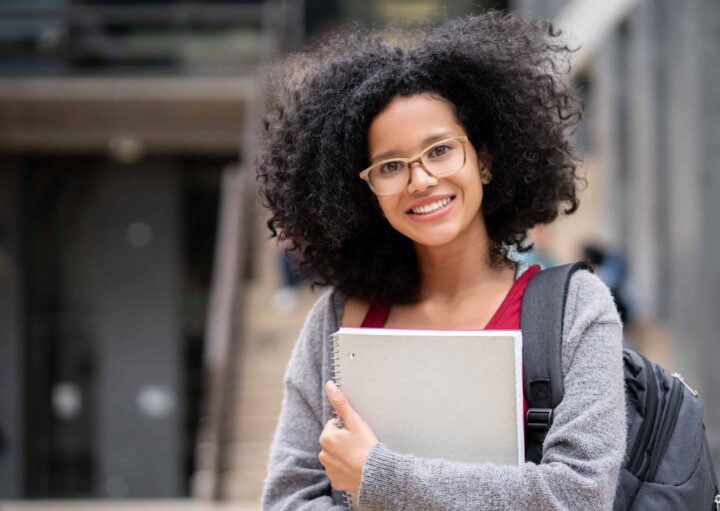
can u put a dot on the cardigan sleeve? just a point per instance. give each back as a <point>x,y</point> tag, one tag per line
<point>296,480</point>
<point>582,452</point>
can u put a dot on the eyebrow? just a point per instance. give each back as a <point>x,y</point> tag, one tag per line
<point>425,142</point>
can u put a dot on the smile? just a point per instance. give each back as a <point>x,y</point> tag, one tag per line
<point>432,211</point>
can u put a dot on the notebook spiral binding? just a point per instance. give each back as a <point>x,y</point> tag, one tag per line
<point>336,378</point>
<point>336,370</point>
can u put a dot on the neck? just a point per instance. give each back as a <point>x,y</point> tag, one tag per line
<point>460,267</point>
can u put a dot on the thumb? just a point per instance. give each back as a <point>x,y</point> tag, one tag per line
<point>339,402</point>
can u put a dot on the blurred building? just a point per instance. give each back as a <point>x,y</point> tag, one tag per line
<point>117,121</point>
<point>648,73</point>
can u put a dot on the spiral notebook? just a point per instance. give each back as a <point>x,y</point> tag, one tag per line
<point>450,394</point>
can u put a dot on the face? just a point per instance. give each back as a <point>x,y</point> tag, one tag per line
<point>404,128</point>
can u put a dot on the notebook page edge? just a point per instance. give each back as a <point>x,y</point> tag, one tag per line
<point>403,331</point>
<point>519,397</point>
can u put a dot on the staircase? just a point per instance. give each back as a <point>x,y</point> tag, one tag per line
<point>267,343</point>
<point>263,340</point>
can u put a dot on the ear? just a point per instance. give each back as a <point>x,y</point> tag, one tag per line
<point>486,164</point>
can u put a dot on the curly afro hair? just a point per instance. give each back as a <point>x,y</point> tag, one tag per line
<point>504,77</point>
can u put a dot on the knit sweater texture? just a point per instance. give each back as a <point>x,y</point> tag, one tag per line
<point>581,457</point>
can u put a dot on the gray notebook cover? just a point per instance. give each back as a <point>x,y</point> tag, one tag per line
<point>455,395</point>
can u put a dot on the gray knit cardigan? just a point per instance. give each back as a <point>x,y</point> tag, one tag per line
<point>582,453</point>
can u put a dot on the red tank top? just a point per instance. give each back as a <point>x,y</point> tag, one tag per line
<point>506,317</point>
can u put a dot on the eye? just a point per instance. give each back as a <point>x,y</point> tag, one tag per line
<point>440,150</point>
<point>391,167</point>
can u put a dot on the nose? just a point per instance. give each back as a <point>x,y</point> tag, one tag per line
<point>420,179</point>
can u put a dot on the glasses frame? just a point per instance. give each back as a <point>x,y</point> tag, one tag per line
<point>365,174</point>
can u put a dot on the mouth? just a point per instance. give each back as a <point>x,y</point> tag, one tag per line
<point>432,211</point>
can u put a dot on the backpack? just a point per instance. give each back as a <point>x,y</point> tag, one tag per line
<point>667,463</point>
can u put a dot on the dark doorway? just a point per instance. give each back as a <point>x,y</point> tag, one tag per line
<point>117,261</point>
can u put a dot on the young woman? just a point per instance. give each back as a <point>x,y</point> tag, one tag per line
<point>404,175</point>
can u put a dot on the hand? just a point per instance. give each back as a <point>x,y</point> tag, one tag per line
<point>345,450</point>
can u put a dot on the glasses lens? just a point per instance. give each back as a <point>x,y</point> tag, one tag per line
<point>389,177</point>
<point>444,158</point>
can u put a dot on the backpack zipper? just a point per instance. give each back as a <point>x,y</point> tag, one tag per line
<point>668,426</point>
<point>641,442</point>
<point>682,380</point>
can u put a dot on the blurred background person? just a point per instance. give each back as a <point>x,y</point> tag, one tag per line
<point>612,268</point>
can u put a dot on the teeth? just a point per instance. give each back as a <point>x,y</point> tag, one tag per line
<point>429,208</point>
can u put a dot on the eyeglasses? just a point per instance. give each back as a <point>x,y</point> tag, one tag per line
<point>439,160</point>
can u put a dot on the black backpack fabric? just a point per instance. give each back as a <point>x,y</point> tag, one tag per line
<point>667,463</point>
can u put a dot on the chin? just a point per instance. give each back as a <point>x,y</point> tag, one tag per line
<point>434,237</point>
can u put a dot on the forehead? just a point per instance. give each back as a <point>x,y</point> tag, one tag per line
<point>406,121</point>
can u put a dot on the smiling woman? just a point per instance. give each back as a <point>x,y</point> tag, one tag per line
<point>403,176</point>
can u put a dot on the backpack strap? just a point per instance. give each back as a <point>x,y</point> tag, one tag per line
<point>541,322</point>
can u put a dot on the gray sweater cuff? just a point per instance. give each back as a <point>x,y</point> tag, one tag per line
<point>384,479</point>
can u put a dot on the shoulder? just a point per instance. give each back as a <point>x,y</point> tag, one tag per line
<point>320,321</point>
<point>591,319</point>
<point>589,300</point>
<point>324,315</point>
<point>331,310</point>
<point>355,311</point>
<point>334,309</point>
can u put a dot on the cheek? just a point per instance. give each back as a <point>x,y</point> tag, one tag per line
<point>475,204</point>
<point>478,194</point>
<point>473,191</point>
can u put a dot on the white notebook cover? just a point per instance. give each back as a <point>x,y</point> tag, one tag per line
<point>455,395</point>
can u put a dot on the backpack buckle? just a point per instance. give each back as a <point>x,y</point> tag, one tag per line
<point>539,419</point>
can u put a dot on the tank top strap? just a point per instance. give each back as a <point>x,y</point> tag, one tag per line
<point>376,315</point>
<point>507,316</point>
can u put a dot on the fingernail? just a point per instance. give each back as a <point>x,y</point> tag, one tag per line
<point>332,388</point>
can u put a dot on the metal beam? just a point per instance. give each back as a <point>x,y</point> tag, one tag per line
<point>125,88</point>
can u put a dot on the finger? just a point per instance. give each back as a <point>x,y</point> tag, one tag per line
<point>330,425</point>
<point>339,402</point>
